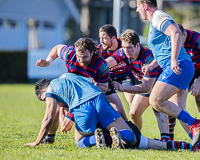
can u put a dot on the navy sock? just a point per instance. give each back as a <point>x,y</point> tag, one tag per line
<point>127,136</point>
<point>186,118</point>
<point>87,141</point>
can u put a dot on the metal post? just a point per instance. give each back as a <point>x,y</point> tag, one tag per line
<point>117,16</point>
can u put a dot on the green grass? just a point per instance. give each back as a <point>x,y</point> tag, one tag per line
<point>20,119</point>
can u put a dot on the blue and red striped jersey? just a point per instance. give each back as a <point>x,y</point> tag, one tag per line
<point>97,69</point>
<point>192,47</point>
<point>119,70</point>
<point>145,57</point>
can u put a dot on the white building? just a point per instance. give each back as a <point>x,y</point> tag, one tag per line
<point>50,17</point>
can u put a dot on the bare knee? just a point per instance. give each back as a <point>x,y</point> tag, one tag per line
<point>156,103</point>
<point>134,114</point>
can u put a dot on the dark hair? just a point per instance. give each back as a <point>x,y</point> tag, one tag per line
<point>39,85</point>
<point>87,43</point>
<point>181,28</point>
<point>152,3</point>
<point>130,36</point>
<point>109,29</point>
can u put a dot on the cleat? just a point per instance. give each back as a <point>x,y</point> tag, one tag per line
<point>196,148</point>
<point>47,140</point>
<point>100,140</point>
<point>195,129</point>
<point>116,139</point>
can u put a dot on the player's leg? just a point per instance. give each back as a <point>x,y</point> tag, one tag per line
<point>116,103</point>
<point>159,100</point>
<point>129,97</point>
<point>197,98</point>
<point>137,108</point>
<point>162,120</point>
<point>172,145</point>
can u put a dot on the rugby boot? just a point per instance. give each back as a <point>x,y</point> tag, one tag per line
<point>116,139</point>
<point>100,140</point>
<point>195,129</point>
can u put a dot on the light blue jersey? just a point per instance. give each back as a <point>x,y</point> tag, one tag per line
<point>161,43</point>
<point>72,89</point>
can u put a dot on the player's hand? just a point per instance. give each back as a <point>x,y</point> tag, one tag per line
<point>66,125</point>
<point>146,69</point>
<point>117,86</point>
<point>42,63</point>
<point>175,67</point>
<point>95,83</point>
<point>32,144</point>
<point>195,88</point>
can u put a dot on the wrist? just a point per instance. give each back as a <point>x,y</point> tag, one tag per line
<point>49,59</point>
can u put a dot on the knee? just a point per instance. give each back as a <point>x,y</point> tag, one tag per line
<point>156,103</point>
<point>134,114</point>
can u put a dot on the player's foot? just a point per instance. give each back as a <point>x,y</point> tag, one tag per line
<point>100,140</point>
<point>116,138</point>
<point>47,140</point>
<point>195,129</point>
<point>196,148</point>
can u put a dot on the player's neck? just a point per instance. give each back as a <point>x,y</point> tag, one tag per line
<point>114,45</point>
<point>150,13</point>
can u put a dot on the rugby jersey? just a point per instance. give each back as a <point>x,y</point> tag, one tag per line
<point>97,69</point>
<point>192,47</point>
<point>145,57</point>
<point>119,70</point>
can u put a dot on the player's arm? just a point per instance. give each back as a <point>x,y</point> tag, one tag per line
<point>195,88</point>
<point>144,87</point>
<point>53,54</point>
<point>150,67</point>
<point>51,106</point>
<point>102,86</point>
<point>176,42</point>
<point>111,62</point>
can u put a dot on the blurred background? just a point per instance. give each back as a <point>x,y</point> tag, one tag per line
<point>30,28</point>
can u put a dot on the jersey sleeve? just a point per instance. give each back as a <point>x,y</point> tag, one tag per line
<point>103,72</point>
<point>118,55</point>
<point>49,93</point>
<point>161,20</point>
<point>66,51</point>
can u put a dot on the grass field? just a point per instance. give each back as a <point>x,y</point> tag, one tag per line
<point>20,119</point>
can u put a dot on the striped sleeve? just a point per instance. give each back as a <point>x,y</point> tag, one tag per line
<point>66,51</point>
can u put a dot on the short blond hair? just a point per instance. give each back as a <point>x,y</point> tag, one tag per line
<point>130,36</point>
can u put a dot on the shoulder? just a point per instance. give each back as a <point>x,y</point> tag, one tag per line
<point>160,18</point>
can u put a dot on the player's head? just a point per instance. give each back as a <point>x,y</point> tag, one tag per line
<point>130,43</point>
<point>143,6</point>
<point>85,48</point>
<point>107,33</point>
<point>39,86</point>
<point>184,33</point>
<point>152,3</point>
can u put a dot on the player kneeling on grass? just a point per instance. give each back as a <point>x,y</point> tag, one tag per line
<point>88,107</point>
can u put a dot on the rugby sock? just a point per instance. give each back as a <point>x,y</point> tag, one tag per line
<point>172,123</point>
<point>164,137</point>
<point>50,136</point>
<point>186,118</point>
<point>127,136</point>
<point>87,141</point>
<point>178,145</point>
